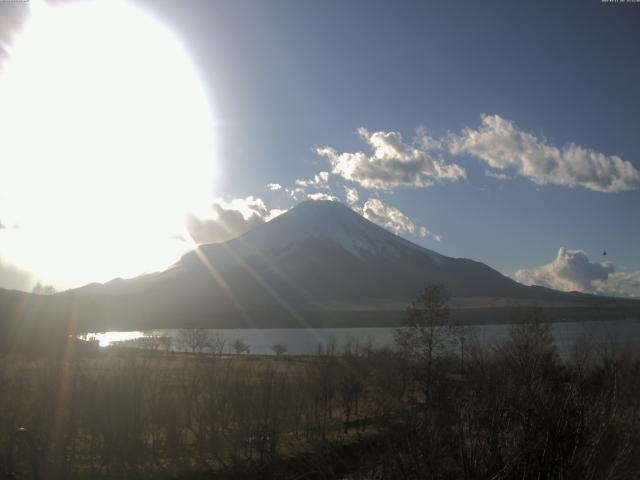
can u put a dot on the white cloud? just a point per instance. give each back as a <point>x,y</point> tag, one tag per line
<point>320,180</point>
<point>496,175</point>
<point>572,270</point>
<point>392,219</point>
<point>295,193</point>
<point>392,163</point>
<point>273,187</point>
<point>228,219</point>
<point>624,284</point>
<point>500,144</point>
<point>387,216</point>
<point>322,196</point>
<point>276,212</point>
<point>352,195</point>
<point>248,206</point>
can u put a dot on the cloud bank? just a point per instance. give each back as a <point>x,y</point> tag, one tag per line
<point>391,162</point>
<point>572,270</point>
<point>499,143</point>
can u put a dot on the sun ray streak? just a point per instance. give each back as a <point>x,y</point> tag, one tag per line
<point>217,277</point>
<point>263,283</point>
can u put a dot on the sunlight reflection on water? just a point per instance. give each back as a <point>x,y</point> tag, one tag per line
<point>305,341</point>
<point>106,339</point>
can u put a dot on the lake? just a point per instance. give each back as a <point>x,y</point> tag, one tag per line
<point>306,341</point>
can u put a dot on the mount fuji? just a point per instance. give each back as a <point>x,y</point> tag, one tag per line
<point>319,264</point>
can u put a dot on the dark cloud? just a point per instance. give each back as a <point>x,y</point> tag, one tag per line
<point>12,17</point>
<point>229,224</point>
<point>227,220</point>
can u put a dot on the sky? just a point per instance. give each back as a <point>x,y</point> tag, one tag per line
<point>505,132</point>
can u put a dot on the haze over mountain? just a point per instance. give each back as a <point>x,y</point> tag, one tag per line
<point>320,263</point>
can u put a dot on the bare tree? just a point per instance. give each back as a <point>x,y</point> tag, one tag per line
<point>426,329</point>
<point>194,339</point>
<point>239,346</point>
<point>279,349</point>
<point>217,342</point>
<point>166,341</point>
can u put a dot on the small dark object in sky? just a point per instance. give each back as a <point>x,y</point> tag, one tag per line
<point>604,253</point>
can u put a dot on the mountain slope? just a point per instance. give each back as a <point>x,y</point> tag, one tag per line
<point>319,263</point>
<point>330,252</point>
<point>43,323</point>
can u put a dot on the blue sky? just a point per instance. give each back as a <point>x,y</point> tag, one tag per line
<point>284,78</point>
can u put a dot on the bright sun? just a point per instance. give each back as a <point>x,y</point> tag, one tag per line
<point>106,141</point>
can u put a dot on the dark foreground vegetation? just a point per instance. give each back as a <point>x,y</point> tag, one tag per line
<point>438,406</point>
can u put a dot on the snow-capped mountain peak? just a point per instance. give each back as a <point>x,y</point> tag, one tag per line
<point>328,220</point>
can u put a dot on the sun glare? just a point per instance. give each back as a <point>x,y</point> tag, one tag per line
<point>106,142</point>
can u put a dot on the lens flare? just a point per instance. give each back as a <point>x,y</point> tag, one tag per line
<point>106,141</point>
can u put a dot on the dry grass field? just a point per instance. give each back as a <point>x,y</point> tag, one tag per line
<point>501,412</point>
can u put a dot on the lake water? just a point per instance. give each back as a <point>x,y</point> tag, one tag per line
<point>306,341</point>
